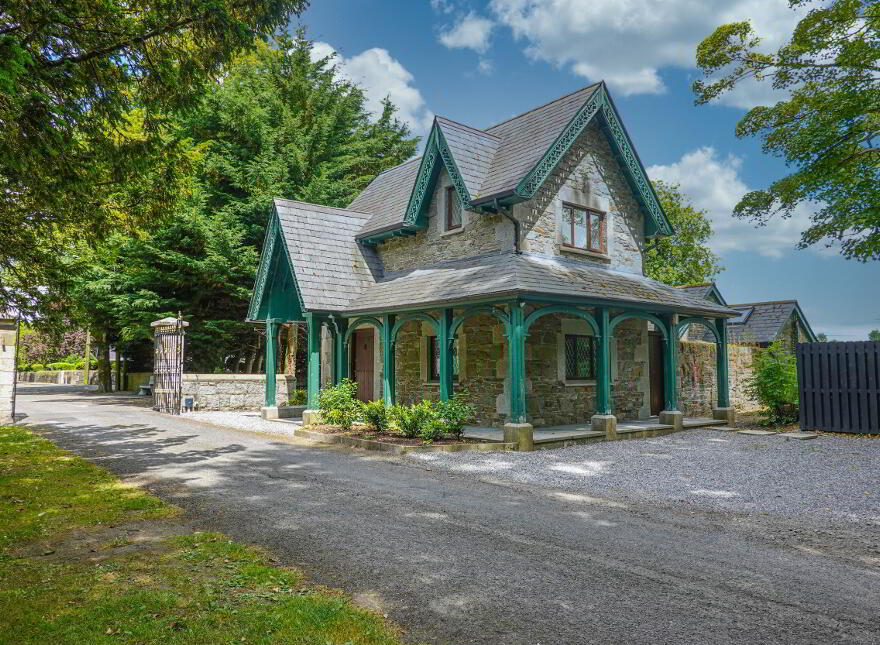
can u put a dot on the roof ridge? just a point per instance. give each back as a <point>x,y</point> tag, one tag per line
<point>469,127</point>
<point>694,284</point>
<point>400,165</point>
<point>767,302</point>
<point>342,211</point>
<point>543,105</point>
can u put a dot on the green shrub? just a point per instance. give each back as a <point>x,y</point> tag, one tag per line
<point>36,367</point>
<point>298,397</point>
<point>774,384</point>
<point>338,404</point>
<point>455,413</point>
<point>433,429</point>
<point>376,415</point>
<point>410,419</point>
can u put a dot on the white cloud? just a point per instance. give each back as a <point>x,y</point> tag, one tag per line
<point>470,32</point>
<point>380,75</point>
<point>713,184</point>
<point>485,66</point>
<point>442,6</point>
<point>628,42</point>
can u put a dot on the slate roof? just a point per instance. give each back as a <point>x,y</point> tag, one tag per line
<point>473,151</point>
<point>387,197</point>
<point>491,161</point>
<point>526,137</point>
<point>509,274</point>
<point>329,265</point>
<point>762,324</point>
<point>702,290</point>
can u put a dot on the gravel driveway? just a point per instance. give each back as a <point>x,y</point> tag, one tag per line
<point>831,476</point>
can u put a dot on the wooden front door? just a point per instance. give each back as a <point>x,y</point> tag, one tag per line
<point>656,372</point>
<point>362,363</point>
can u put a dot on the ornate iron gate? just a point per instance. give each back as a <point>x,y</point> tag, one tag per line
<point>168,364</point>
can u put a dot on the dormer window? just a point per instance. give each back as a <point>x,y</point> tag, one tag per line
<point>453,209</point>
<point>583,228</point>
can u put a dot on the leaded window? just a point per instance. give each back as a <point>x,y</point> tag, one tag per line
<point>434,359</point>
<point>453,209</point>
<point>580,357</point>
<point>583,228</point>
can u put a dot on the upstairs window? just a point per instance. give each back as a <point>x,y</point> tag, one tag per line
<point>580,357</point>
<point>583,228</point>
<point>453,209</point>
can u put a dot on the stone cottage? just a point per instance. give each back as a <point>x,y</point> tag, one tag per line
<point>505,261</point>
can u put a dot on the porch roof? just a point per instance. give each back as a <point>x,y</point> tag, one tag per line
<point>510,274</point>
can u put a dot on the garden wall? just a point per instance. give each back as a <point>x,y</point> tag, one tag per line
<point>233,391</point>
<point>697,384</point>
<point>59,377</point>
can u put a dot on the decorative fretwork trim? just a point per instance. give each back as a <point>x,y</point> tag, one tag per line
<point>423,181</point>
<point>635,170</point>
<point>532,182</point>
<point>265,266</point>
<point>599,104</point>
<point>449,161</point>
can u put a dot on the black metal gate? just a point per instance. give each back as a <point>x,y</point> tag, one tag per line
<point>839,386</point>
<point>168,364</point>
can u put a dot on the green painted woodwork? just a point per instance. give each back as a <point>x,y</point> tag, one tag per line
<point>409,318</point>
<point>352,325</point>
<point>603,362</point>
<point>562,309</point>
<point>275,293</point>
<point>313,364</point>
<point>458,321</point>
<point>271,353</point>
<point>516,349</point>
<point>670,371</point>
<point>388,377</point>
<point>340,348</point>
<point>683,324</point>
<point>644,315</point>
<point>722,363</point>
<point>444,346</point>
<point>452,169</point>
<point>601,105</point>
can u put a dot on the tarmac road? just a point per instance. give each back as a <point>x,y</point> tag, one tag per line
<point>458,560</point>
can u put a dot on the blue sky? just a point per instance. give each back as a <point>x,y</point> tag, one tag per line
<point>482,62</point>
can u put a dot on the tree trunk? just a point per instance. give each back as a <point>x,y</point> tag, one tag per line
<point>118,368</point>
<point>290,358</point>
<point>88,356</point>
<point>105,364</point>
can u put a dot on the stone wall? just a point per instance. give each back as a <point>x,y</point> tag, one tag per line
<point>478,234</point>
<point>588,176</point>
<point>60,377</point>
<point>550,400</point>
<point>697,377</point>
<point>7,371</point>
<point>233,391</point>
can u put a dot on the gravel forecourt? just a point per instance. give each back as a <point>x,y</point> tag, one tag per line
<point>831,476</point>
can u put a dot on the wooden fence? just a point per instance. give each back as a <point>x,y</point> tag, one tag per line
<point>839,386</point>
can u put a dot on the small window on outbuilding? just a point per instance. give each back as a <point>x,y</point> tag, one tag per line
<point>434,359</point>
<point>453,209</point>
<point>580,357</point>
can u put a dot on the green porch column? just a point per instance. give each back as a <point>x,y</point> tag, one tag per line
<point>670,354</point>
<point>388,378</point>
<point>444,345</point>
<point>516,363</point>
<point>603,363</point>
<point>271,353</point>
<point>313,365</point>
<point>340,355</point>
<point>721,358</point>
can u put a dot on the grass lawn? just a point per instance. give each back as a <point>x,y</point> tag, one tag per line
<point>86,559</point>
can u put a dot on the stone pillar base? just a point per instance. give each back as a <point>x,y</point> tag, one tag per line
<point>311,417</point>
<point>606,423</point>
<point>672,418</point>
<point>270,412</point>
<point>522,434</point>
<point>724,414</point>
